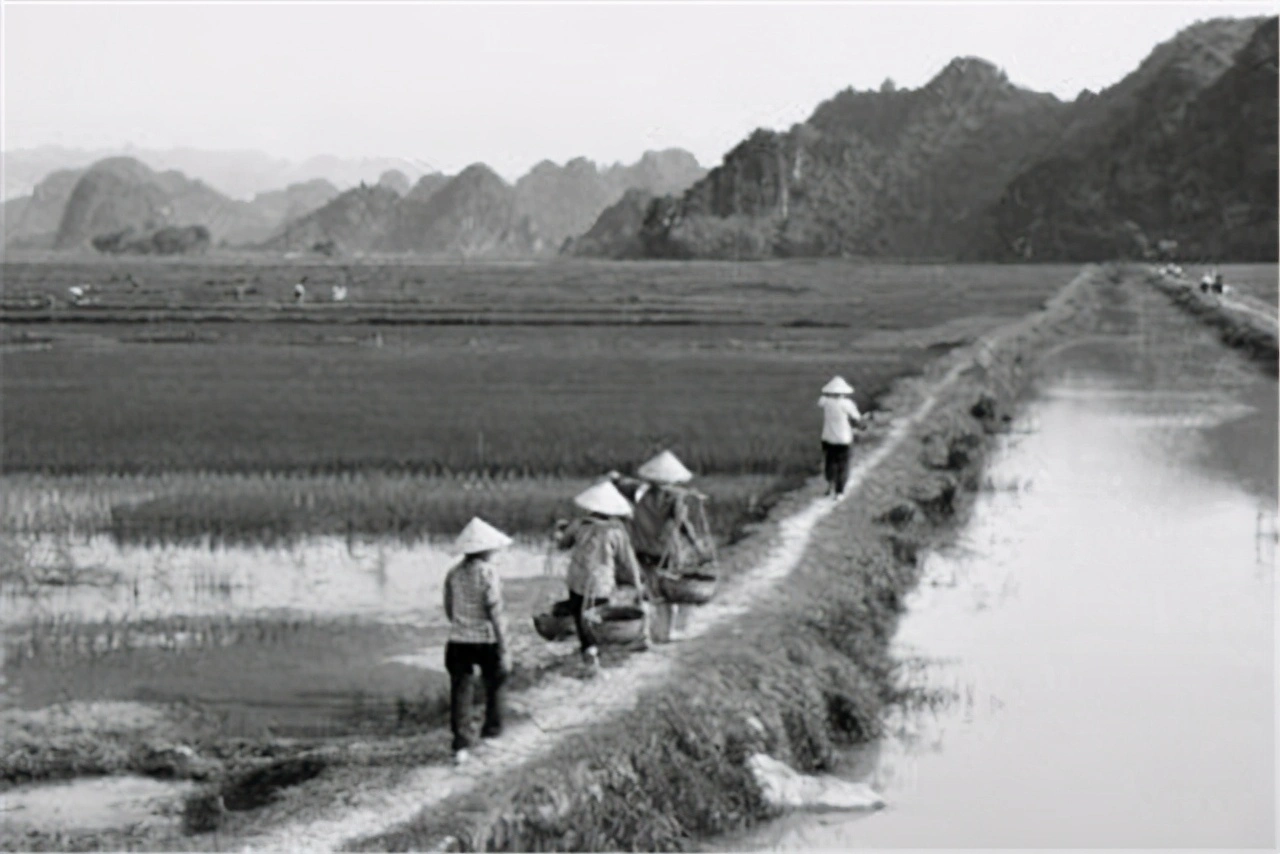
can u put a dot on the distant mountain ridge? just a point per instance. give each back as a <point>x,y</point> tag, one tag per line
<point>1179,157</point>
<point>475,213</point>
<point>121,192</point>
<point>69,208</point>
<point>239,175</point>
<point>563,201</point>
<point>970,166</point>
<point>478,214</point>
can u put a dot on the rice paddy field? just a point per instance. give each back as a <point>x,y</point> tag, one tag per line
<point>220,501</point>
<point>438,391</point>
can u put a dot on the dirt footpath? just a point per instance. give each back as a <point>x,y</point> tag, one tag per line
<point>559,705</point>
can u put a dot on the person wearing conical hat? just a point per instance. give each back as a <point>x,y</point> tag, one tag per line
<point>839,414</point>
<point>477,632</point>
<point>662,528</point>
<point>601,560</point>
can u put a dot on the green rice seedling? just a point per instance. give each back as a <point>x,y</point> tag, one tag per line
<point>573,401</point>
<point>273,508</point>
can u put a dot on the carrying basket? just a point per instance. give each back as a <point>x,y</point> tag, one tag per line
<point>552,628</point>
<point>616,624</point>
<point>694,588</point>
<point>556,623</point>
<point>697,544</point>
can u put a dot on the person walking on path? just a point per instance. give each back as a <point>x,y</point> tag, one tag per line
<point>839,414</point>
<point>477,633</point>
<point>602,559</point>
<point>666,526</point>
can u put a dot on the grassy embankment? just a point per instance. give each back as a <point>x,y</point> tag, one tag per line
<point>1239,326</point>
<point>799,677</point>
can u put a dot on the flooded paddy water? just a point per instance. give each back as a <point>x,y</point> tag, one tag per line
<point>326,636</point>
<point>1105,625</point>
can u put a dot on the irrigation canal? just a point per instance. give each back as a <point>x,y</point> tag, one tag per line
<point>1106,623</point>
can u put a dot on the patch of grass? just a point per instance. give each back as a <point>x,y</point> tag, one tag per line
<point>279,509</point>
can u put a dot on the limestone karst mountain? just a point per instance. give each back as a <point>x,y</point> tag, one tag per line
<point>894,172</point>
<point>239,174</point>
<point>1181,151</point>
<point>120,192</point>
<point>478,214</point>
<point>394,179</point>
<point>31,222</point>
<point>294,201</point>
<point>616,233</point>
<point>971,166</point>
<point>563,201</point>
<point>474,213</point>
<point>353,221</point>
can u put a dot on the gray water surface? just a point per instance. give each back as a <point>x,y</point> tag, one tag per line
<point>1106,623</point>
<point>325,576</point>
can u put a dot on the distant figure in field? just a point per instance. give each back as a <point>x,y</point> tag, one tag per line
<point>339,293</point>
<point>1212,281</point>
<point>839,414</point>
<point>300,290</point>
<point>477,633</point>
<point>601,561</point>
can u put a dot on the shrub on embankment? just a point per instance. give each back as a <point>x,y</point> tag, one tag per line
<point>1236,328</point>
<point>803,673</point>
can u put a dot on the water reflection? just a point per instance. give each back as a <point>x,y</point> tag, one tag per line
<point>1106,630</point>
<point>329,576</point>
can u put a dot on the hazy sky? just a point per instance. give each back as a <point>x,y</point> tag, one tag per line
<point>511,84</point>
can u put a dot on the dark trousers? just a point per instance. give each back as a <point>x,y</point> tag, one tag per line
<point>836,466</point>
<point>461,659</point>
<point>585,638</point>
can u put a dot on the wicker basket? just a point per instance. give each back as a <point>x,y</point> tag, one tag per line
<point>616,624</point>
<point>553,627</point>
<point>691,589</point>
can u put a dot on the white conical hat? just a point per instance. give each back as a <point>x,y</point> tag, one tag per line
<point>480,536</point>
<point>837,386</point>
<point>665,468</point>
<point>604,498</point>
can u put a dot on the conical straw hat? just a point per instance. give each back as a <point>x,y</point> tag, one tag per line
<point>665,468</point>
<point>480,536</point>
<point>604,498</point>
<point>837,386</point>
